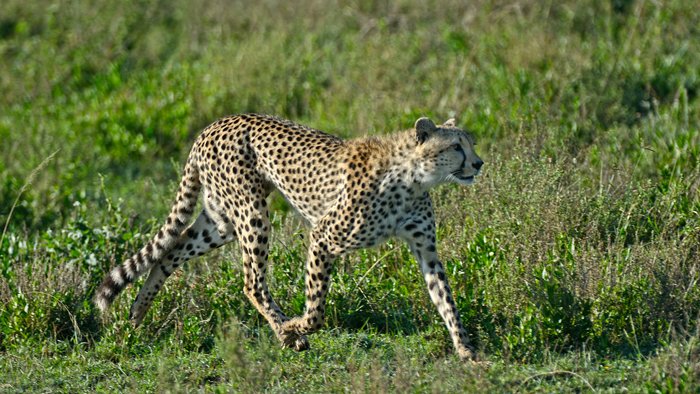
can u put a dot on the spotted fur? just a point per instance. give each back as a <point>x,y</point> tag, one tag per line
<point>354,194</point>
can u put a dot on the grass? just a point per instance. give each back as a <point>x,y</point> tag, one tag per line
<point>342,362</point>
<point>574,259</point>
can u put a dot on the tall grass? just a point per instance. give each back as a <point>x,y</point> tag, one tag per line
<point>137,81</point>
<point>580,239</point>
<point>536,260</point>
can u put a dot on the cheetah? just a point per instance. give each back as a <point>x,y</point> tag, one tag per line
<point>354,194</point>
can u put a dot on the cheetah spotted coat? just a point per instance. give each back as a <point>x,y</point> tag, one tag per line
<point>355,194</point>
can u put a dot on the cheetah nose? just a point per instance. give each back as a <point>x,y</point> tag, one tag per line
<point>478,165</point>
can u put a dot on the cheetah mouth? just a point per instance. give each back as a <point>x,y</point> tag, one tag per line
<point>463,178</point>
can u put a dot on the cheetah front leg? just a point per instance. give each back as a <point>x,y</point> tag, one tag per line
<point>201,237</point>
<point>420,237</point>
<point>318,273</point>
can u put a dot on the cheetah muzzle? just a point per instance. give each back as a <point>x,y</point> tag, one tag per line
<point>355,194</point>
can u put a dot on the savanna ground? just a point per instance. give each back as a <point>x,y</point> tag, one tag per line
<point>574,259</point>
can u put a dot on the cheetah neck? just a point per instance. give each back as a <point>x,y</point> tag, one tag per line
<point>409,165</point>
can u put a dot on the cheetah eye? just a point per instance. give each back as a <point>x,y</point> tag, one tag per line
<point>457,147</point>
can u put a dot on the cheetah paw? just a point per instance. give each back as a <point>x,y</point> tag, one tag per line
<point>302,344</point>
<point>467,354</point>
<point>137,313</point>
<point>470,355</point>
<point>291,338</point>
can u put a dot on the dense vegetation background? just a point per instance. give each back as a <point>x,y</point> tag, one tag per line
<point>577,250</point>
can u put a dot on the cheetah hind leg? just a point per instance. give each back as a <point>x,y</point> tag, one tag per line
<point>201,237</point>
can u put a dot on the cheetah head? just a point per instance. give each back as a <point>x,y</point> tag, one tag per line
<point>447,153</point>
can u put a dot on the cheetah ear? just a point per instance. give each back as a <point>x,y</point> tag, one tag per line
<point>424,127</point>
<point>451,123</point>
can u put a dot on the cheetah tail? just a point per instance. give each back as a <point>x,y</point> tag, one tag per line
<point>156,248</point>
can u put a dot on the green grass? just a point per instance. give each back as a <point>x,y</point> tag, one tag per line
<point>251,362</point>
<point>577,250</point>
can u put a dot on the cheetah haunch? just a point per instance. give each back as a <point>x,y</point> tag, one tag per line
<point>355,194</point>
